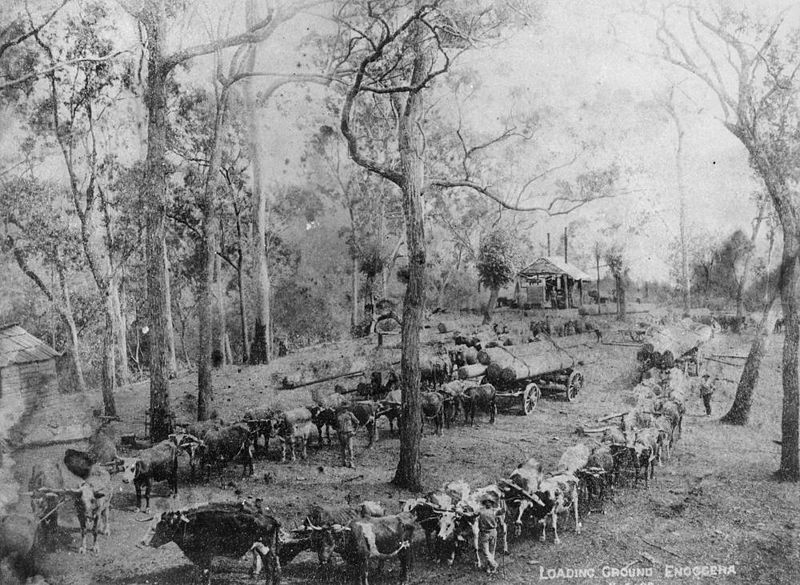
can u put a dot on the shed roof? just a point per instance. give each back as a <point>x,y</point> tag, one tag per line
<point>553,265</point>
<point>17,346</point>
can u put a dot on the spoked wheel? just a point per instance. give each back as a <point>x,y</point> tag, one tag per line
<point>530,398</point>
<point>574,385</point>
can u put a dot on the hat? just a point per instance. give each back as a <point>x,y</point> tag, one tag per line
<point>705,376</point>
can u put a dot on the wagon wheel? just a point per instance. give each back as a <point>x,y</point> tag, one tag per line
<point>530,398</point>
<point>637,336</point>
<point>574,385</point>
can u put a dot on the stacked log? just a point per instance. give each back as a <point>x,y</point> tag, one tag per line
<point>664,344</point>
<point>471,371</point>
<point>505,365</point>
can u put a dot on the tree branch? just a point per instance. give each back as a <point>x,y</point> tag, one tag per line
<point>56,67</point>
<point>29,33</point>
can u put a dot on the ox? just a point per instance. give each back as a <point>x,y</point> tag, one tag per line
<point>427,512</point>
<point>432,406</point>
<point>379,538</point>
<point>619,443</point>
<point>195,433</point>
<point>599,473</point>
<point>646,449</point>
<point>92,497</point>
<point>367,413</point>
<point>461,525</point>
<point>295,438</point>
<point>390,408</point>
<point>523,483</point>
<point>558,494</point>
<point>214,530</point>
<point>260,422</point>
<point>323,416</point>
<point>328,526</point>
<point>483,397</point>
<point>224,445</point>
<point>158,463</point>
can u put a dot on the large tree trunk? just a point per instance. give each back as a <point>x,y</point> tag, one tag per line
<point>354,309</point>
<point>109,367</point>
<point>409,468</point>
<point>790,272</point>
<point>154,199</point>
<point>120,333</point>
<point>739,412</point>
<point>205,308</point>
<point>620,290</point>
<point>173,359</point>
<point>219,297</point>
<point>240,285</point>
<point>742,281</point>
<point>488,313</point>
<point>261,348</point>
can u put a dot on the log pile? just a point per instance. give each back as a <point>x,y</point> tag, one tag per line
<point>505,365</point>
<point>666,343</point>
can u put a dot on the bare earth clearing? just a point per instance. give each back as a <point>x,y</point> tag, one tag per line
<point>714,503</point>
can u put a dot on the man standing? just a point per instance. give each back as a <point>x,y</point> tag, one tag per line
<point>706,391</point>
<point>346,423</point>
<point>487,534</point>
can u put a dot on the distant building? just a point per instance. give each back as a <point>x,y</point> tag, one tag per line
<point>33,409</point>
<point>548,282</point>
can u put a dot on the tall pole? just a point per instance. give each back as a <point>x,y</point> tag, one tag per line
<point>548,244</point>
<point>597,259</point>
<point>565,246</point>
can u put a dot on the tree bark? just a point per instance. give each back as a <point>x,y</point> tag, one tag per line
<point>154,199</point>
<point>742,281</point>
<point>219,296</point>
<point>210,270</point>
<point>680,175</point>
<point>261,348</point>
<point>240,284</point>
<point>620,289</point>
<point>488,313</point>
<point>409,468</point>
<point>354,310</point>
<point>173,359</point>
<point>120,332</point>
<point>790,272</point>
<point>109,366</point>
<point>739,412</point>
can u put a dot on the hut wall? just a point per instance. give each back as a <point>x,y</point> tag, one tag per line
<point>47,415</point>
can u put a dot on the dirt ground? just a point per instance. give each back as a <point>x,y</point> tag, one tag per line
<point>714,504</point>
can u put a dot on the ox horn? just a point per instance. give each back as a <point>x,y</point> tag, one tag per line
<point>150,519</point>
<point>311,525</point>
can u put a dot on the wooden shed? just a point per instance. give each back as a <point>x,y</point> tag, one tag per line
<point>33,410</point>
<point>550,282</point>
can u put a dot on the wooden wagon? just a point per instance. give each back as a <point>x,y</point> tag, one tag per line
<point>521,374</point>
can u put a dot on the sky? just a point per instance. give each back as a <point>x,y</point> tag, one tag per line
<point>599,87</point>
<point>584,67</point>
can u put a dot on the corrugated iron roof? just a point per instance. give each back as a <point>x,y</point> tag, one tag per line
<point>17,346</point>
<point>554,265</point>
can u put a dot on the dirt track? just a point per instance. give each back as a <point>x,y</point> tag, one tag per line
<point>714,503</point>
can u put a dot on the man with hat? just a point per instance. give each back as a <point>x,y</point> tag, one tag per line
<point>487,533</point>
<point>706,391</point>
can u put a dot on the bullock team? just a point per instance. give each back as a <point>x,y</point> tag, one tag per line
<point>455,519</point>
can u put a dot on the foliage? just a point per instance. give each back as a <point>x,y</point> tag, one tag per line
<point>497,259</point>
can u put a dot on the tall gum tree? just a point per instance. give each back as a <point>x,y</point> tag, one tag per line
<point>154,17</point>
<point>751,66</point>
<point>398,51</point>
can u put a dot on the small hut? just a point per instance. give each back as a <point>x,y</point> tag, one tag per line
<point>550,282</point>
<point>33,409</point>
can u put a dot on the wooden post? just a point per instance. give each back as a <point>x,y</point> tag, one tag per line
<point>597,258</point>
